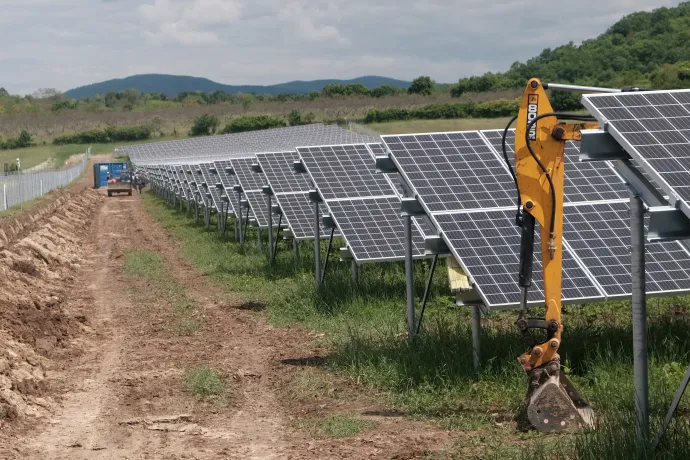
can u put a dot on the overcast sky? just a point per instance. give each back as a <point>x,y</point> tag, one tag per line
<point>67,43</point>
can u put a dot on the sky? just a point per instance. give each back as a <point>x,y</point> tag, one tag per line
<point>68,43</point>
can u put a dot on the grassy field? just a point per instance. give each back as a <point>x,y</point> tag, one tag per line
<point>434,126</point>
<point>363,328</point>
<point>33,156</point>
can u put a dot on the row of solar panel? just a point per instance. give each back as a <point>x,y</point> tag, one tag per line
<point>464,186</point>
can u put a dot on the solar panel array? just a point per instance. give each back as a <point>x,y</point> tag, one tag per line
<point>228,182</point>
<point>291,193</point>
<point>475,212</point>
<point>654,128</point>
<point>465,188</point>
<point>212,148</point>
<point>362,202</point>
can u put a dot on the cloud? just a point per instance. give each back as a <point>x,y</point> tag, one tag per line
<point>187,22</point>
<point>77,42</point>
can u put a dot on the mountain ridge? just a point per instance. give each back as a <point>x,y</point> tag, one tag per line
<point>172,85</point>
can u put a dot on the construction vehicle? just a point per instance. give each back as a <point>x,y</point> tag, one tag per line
<point>552,402</point>
<point>122,184</point>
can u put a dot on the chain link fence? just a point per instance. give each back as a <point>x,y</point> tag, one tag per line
<point>19,187</point>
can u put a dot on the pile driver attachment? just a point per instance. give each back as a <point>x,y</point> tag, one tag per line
<point>552,402</point>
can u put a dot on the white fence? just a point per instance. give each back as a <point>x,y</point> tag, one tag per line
<point>17,188</point>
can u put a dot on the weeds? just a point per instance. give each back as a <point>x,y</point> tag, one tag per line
<point>334,427</point>
<point>363,326</point>
<point>149,266</point>
<point>202,381</point>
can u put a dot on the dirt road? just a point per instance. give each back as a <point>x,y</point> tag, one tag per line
<point>118,384</point>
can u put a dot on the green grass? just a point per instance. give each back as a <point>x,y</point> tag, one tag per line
<point>434,126</point>
<point>149,266</point>
<point>336,426</point>
<point>310,384</point>
<point>363,327</point>
<point>202,381</point>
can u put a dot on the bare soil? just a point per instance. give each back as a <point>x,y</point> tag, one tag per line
<point>95,372</point>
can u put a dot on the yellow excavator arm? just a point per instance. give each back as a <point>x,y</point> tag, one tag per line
<point>553,404</point>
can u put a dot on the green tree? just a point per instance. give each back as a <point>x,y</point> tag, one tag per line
<point>422,85</point>
<point>204,125</point>
<point>4,93</point>
<point>110,99</point>
<point>335,89</point>
<point>386,90</point>
<point>131,95</point>
<point>356,89</point>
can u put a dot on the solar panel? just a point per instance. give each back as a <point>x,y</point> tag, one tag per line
<point>298,214</point>
<point>584,181</point>
<point>259,207</point>
<point>228,181</point>
<point>599,234</point>
<point>373,228</point>
<point>211,179</point>
<point>344,171</point>
<point>452,171</point>
<point>248,179</point>
<point>362,202</point>
<point>181,178</point>
<point>654,128</point>
<point>291,194</point>
<point>487,245</point>
<point>252,184</point>
<point>280,174</point>
<point>192,183</point>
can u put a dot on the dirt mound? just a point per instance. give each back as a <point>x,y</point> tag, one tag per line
<point>40,251</point>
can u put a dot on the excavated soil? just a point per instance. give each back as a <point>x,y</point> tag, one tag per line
<point>90,367</point>
<point>40,252</point>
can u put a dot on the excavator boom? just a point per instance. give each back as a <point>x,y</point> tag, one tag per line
<point>553,403</point>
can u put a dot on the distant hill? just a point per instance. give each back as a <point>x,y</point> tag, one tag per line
<point>649,49</point>
<point>172,85</point>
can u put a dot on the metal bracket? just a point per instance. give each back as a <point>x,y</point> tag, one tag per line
<point>598,145</point>
<point>666,224</point>
<point>298,166</point>
<point>328,221</point>
<point>412,207</point>
<point>244,204</point>
<point>315,197</point>
<point>237,188</point>
<point>220,186</point>
<point>229,170</point>
<point>385,164</point>
<point>346,255</point>
<point>434,244</point>
<point>256,167</point>
<point>275,209</point>
<point>267,190</point>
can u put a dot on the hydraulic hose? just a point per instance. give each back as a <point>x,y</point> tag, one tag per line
<point>562,116</point>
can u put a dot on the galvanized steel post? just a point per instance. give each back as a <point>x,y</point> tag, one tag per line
<point>639,317</point>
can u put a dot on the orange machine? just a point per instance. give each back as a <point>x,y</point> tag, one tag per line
<point>553,403</point>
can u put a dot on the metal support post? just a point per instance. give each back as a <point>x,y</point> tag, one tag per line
<point>239,217</point>
<point>317,246</point>
<point>258,241</point>
<point>355,272</point>
<point>409,275</point>
<point>270,229</point>
<point>639,317</point>
<point>476,337</point>
<point>295,250</point>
